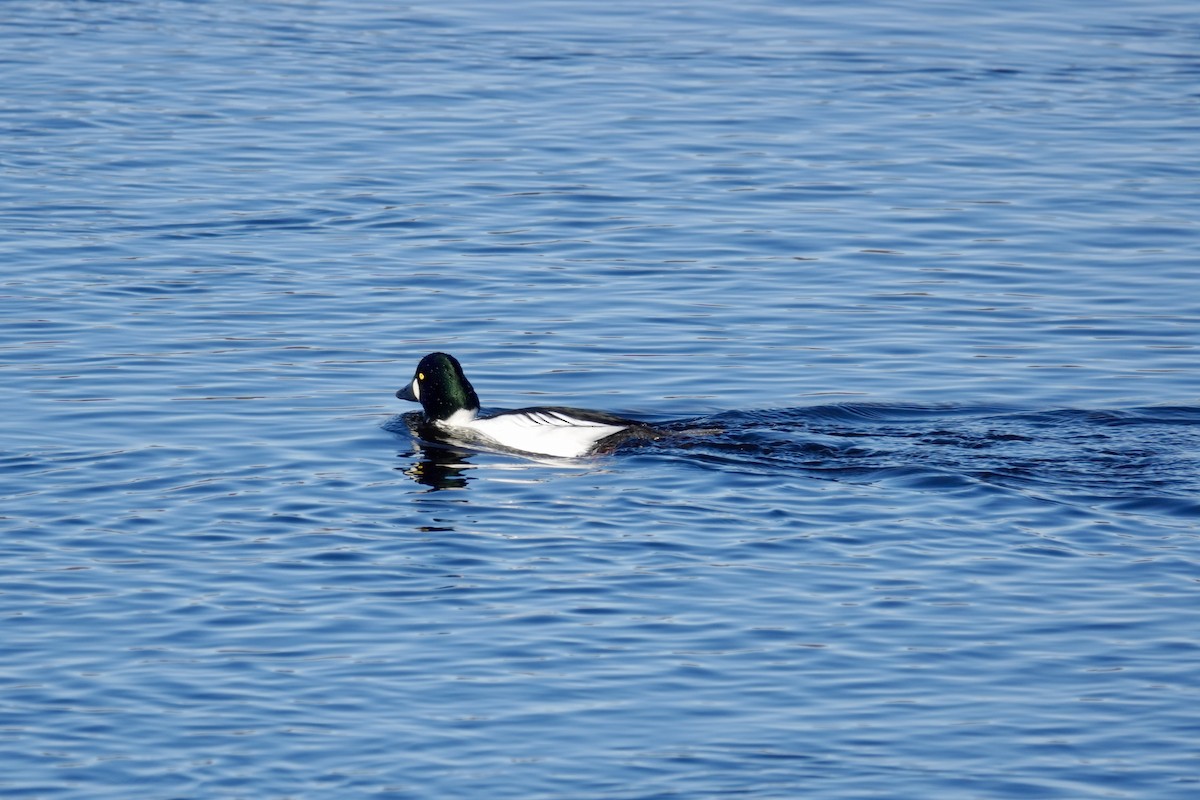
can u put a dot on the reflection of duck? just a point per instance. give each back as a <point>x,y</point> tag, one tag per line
<point>440,469</point>
<point>451,407</point>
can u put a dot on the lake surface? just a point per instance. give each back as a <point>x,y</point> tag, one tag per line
<point>928,274</point>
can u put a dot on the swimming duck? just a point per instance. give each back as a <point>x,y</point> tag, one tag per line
<point>451,407</point>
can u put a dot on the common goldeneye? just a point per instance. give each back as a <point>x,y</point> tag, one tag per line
<point>451,407</point>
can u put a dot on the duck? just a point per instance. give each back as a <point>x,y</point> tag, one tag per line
<point>450,409</point>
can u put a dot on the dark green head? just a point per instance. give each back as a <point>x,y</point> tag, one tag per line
<point>441,388</point>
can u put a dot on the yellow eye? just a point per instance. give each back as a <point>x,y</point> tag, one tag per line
<point>420,376</point>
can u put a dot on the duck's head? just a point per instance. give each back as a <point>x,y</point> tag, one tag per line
<point>441,388</point>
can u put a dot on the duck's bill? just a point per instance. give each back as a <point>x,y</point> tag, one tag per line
<point>407,394</point>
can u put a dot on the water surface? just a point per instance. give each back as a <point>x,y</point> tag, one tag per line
<point>928,273</point>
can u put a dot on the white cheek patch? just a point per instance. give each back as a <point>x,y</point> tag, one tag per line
<point>416,389</point>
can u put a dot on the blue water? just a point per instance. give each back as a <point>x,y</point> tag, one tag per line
<point>928,274</point>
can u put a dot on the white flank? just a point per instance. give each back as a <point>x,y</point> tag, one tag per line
<point>544,432</point>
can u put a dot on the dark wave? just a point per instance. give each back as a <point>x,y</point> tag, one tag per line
<point>1137,458</point>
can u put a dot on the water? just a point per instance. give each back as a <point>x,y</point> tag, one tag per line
<point>928,271</point>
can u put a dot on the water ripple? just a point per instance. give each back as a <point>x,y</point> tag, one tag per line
<point>925,275</point>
